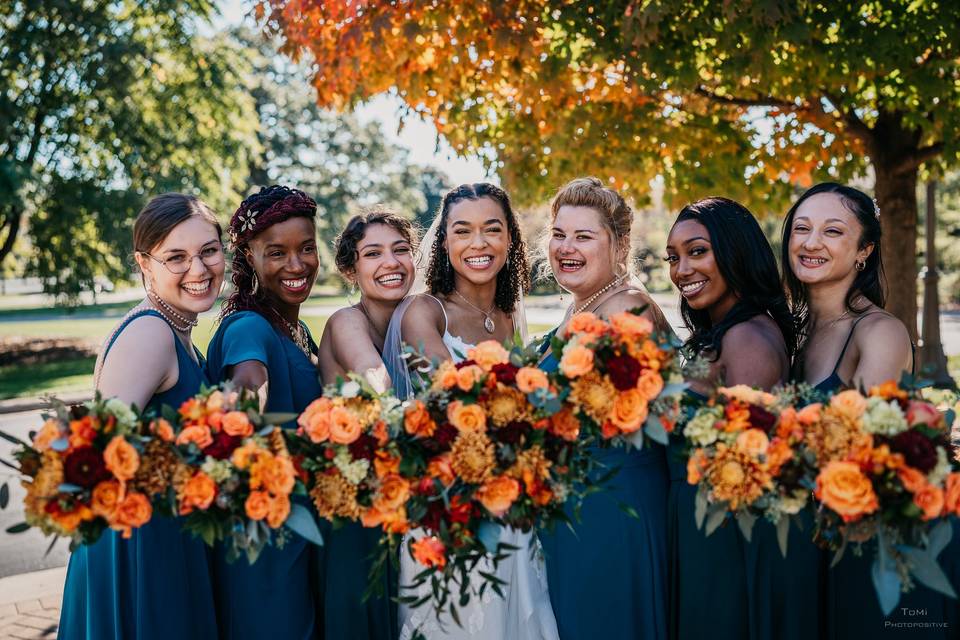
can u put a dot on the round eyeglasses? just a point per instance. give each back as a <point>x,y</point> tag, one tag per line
<point>180,263</point>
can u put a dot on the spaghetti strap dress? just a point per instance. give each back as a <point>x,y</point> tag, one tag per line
<point>276,597</point>
<point>850,602</point>
<point>155,584</point>
<point>608,577</point>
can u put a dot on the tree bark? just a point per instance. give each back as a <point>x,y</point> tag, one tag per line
<point>11,223</point>
<point>894,152</point>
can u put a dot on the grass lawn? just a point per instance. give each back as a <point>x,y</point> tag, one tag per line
<point>52,377</point>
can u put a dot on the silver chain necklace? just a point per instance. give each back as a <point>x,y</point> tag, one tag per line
<point>611,285</point>
<point>164,309</point>
<point>488,323</point>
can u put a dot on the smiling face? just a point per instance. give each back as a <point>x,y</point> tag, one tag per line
<point>197,289</point>
<point>582,254</point>
<point>694,270</point>
<point>285,259</point>
<point>477,240</point>
<point>384,268</point>
<point>824,241</point>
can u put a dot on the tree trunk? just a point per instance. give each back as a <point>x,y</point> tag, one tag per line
<point>11,224</point>
<point>897,197</point>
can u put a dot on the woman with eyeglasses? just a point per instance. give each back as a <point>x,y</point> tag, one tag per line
<point>156,583</point>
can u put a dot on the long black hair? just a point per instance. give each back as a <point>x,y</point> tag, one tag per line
<point>513,280</point>
<point>869,282</point>
<point>748,266</point>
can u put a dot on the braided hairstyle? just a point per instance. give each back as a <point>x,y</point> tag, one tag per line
<point>513,280</point>
<point>269,206</point>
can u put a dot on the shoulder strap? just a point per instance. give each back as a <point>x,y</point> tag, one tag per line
<point>846,344</point>
<point>133,314</point>
<point>446,322</point>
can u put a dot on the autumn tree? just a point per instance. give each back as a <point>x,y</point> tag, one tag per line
<point>748,99</point>
<point>103,104</point>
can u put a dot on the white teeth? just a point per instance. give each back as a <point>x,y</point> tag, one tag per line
<point>390,278</point>
<point>197,287</point>
<point>814,260</point>
<point>479,261</point>
<point>294,284</point>
<point>571,264</point>
<point>692,286</point>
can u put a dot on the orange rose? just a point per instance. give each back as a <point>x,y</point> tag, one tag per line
<point>162,429</point>
<point>778,453</point>
<point>951,501</point>
<point>841,486</point>
<point>381,433</point>
<point>192,410</point>
<point>849,404</point>
<point>417,420</point>
<point>393,493</point>
<point>214,419</point>
<point>132,512</point>
<point>753,442</point>
<point>279,476</point>
<point>529,379</point>
<point>344,426</point>
<point>429,552</point>
<point>488,353</point>
<point>121,458</point>
<point>629,411</point>
<point>244,455</point>
<point>236,423</point>
<point>498,494</point>
<point>82,432</point>
<point>586,325</point>
<point>446,375</point>
<point>466,417</point>
<point>923,413</point>
<point>215,401</point>
<point>70,520</point>
<point>197,493</point>
<point>810,414</point>
<point>439,467</point>
<point>788,426</point>
<point>468,376</point>
<point>564,424</point>
<point>912,479</point>
<point>104,499</point>
<point>650,384</point>
<point>930,500</point>
<point>196,433</point>
<point>315,420</point>
<point>696,464</point>
<point>631,325</point>
<point>278,511</point>
<point>385,463</point>
<point>576,361</point>
<point>48,434</point>
<point>257,505</point>
<point>888,391</point>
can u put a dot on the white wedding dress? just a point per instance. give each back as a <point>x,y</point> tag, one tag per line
<point>524,613</point>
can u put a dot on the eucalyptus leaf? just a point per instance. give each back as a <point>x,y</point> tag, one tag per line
<point>279,418</point>
<point>655,431</point>
<point>940,537</point>
<point>20,527</point>
<point>925,568</point>
<point>700,505</point>
<point>746,521</point>
<point>66,487</point>
<point>783,534</point>
<point>715,517</point>
<point>4,495</point>
<point>886,581</point>
<point>489,535</point>
<point>674,389</point>
<point>302,522</point>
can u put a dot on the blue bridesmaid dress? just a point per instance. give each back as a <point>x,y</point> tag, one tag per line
<point>850,601</point>
<point>275,596</point>
<point>608,577</point>
<point>154,585</point>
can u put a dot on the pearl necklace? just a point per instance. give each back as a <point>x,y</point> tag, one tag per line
<point>164,308</point>
<point>488,323</point>
<point>611,285</point>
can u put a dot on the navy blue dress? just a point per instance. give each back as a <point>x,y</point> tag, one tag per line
<point>608,578</point>
<point>851,608</point>
<point>155,584</point>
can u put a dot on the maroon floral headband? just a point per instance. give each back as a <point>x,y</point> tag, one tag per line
<point>247,222</point>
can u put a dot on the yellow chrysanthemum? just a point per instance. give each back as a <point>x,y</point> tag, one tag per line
<point>333,495</point>
<point>834,436</point>
<point>594,396</point>
<point>505,405</point>
<point>471,456</point>
<point>736,476</point>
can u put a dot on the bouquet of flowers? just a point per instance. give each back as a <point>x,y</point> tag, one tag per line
<point>231,475</point>
<point>884,475</point>
<point>489,445</point>
<point>747,457</point>
<point>622,381</point>
<point>83,472</point>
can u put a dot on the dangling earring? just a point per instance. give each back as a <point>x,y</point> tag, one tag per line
<point>861,265</point>
<point>256,284</point>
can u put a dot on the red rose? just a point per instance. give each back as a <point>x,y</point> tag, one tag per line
<point>761,419</point>
<point>464,363</point>
<point>363,447</point>
<point>917,450</point>
<point>511,432</point>
<point>222,446</point>
<point>505,372</point>
<point>624,371</point>
<point>85,468</point>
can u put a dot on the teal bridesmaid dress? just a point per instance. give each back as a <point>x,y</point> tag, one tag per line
<point>608,577</point>
<point>155,584</point>
<point>300,591</point>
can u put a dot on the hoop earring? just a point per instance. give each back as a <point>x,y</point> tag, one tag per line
<point>860,266</point>
<point>256,284</point>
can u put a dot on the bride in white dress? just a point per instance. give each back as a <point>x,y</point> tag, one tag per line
<point>477,274</point>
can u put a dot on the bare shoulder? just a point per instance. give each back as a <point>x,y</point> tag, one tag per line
<point>345,317</point>
<point>145,336</point>
<point>882,327</point>
<point>759,336</point>
<point>627,300</point>
<point>423,309</point>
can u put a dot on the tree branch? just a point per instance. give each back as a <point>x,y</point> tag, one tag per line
<point>856,125</point>
<point>762,101</point>
<point>12,222</point>
<point>918,157</point>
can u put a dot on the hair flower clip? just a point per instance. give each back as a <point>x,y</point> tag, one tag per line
<point>876,209</point>
<point>246,221</point>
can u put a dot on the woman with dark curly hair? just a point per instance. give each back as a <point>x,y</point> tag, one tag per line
<point>262,344</point>
<point>476,276</point>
